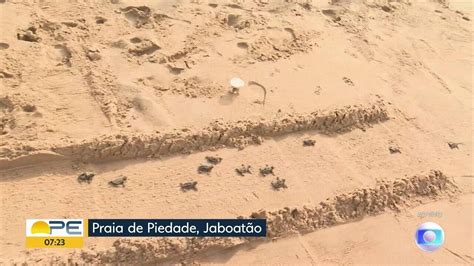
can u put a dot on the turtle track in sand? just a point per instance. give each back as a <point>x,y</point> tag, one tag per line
<point>385,197</point>
<point>222,134</point>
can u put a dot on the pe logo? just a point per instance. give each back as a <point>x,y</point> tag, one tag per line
<point>54,233</point>
<point>429,236</point>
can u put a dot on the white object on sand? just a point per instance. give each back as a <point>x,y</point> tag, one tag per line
<point>237,83</point>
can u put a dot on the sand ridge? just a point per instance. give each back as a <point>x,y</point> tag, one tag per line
<point>217,135</point>
<point>388,196</point>
<point>221,134</point>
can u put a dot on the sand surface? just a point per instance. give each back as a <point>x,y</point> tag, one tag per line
<point>141,89</point>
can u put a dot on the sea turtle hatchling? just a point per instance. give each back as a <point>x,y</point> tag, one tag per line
<point>394,150</point>
<point>205,168</point>
<point>188,186</point>
<point>214,159</point>
<point>454,145</point>
<point>242,170</point>
<point>119,181</point>
<point>309,142</point>
<point>267,170</point>
<point>279,183</point>
<point>85,177</point>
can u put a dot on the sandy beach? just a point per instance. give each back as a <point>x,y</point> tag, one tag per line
<point>362,108</point>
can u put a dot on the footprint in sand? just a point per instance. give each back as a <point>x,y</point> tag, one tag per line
<point>175,70</point>
<point>64,54</point>
<point>29,108</point>
<point>243,45</point>
<point>6,104</point>
<point>100,20</point>
<point>139,15</point>
<point>135,40</point>
<point>292,32</point>
<point>4,46</point>
<point>386,9</point>
<point>142,46</point>
<point>232,19</point>
<point>332,14</point>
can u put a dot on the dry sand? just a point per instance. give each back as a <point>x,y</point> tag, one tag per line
<point>141,89</point>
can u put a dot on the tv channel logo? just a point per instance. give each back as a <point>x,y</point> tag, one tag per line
<point>429,236</point>
<point>55,233</point>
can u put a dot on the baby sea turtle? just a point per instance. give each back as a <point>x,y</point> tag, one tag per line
<point>454,145</point>
<point>394,150</point>
<point>242,170</point>
<point>188,186</point>
<point>205,168</point>
<point>119,181</point>
<point>85,177</point>
<point>309,142</point>
<point>213,159</point>
<point>279,183</point>
<point>267,170</point>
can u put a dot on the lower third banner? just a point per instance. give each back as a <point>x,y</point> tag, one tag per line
<point>177,227</point>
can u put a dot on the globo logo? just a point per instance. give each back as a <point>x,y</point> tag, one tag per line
<point>429,236</point>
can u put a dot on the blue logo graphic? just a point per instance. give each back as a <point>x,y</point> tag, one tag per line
<point>429,236</point>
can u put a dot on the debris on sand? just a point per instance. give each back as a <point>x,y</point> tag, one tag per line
<point>236,84</point>
<point>85,177</point>
<point>393,149</point>
<point>119,181</point>
<point>454,145</point>
<point>242,170</point>
<point>309,142</point>
<point>263,88</point>
<point>214,159</point>
<point>279,183</point>
<point>205,168</point>
<point>267,170</point>
<point>188,186</point>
